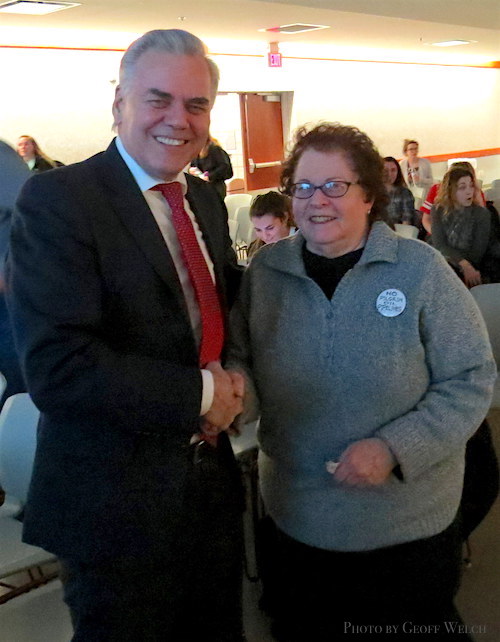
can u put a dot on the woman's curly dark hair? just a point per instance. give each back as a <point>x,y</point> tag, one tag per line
<point>359,150</point>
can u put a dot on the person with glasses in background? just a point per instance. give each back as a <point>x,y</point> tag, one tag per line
<point>367,392</point>
<point>417,171</point>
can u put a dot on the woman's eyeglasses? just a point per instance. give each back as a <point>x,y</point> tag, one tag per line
<point>332,189</point>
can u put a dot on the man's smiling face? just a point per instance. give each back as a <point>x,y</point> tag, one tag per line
<point>163,113</point>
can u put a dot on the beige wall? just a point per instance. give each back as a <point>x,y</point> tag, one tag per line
<point>63,99</point>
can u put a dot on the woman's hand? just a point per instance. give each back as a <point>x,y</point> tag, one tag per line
<point>472,276</point>
<point>368,462</point>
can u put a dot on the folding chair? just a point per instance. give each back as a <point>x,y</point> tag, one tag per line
<point>18,424</point>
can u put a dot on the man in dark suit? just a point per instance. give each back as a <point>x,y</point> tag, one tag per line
<point>134,486</point>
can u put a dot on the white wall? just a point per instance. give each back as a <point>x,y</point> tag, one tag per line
<point>447,109</point>
<point>63,98</point>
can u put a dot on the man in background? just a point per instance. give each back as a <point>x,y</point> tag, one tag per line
<point>121,273</point>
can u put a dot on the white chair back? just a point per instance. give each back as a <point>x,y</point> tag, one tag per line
<point>493,193</point>
<point>487,297</point>
<point>18,424</point>
<point>233,230</point>
<point>233,201</point>
<point>245,226</point>
<point>408,231</point>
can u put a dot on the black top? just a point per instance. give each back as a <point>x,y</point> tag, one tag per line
<point>218,166</point>
<point>42,165</point>
<point>326,272</point>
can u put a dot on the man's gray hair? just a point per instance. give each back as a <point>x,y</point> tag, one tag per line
<point>171,41</point>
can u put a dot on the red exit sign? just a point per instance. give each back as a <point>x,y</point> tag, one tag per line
<point>274,59</point>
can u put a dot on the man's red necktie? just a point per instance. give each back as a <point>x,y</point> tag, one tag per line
<point>212,323</point>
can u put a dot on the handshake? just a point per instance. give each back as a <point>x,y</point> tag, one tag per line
<point>227,404</point>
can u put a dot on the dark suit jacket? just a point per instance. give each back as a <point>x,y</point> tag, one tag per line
<point>109,356</point>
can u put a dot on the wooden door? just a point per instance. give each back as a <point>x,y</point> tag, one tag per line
<point>262,132</point>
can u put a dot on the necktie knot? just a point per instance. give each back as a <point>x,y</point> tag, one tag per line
<point>171,191</point>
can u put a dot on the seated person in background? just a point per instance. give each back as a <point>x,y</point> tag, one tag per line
<point>433,192</point>
<point>401,206</point>
<point>417,171</point>
<point>29,150</point>
<point>461,228</point>
<point>271,216</point>
<point>213,165</point>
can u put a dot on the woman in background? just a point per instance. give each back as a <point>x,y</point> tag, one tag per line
<point>461,229</point>
<point>433,192</point>
<point>368,393</point>
<point>417,171</point>
<point>213,165</point>
<point>37,161</point>
<point>271,216</point>
<point>401,206</point>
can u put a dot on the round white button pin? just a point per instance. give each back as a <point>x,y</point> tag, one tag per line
<point>390,303</point>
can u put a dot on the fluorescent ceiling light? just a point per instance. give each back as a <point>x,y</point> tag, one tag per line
<point>28,7</point>
<point>295,28</point>
<point>452,43</point>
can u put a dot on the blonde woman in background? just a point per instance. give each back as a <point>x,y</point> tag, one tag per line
<point>37,161</point>
<point>417,171</point>
<point>213,165</point>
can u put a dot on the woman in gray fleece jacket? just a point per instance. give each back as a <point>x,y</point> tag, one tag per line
<point>372,368</point>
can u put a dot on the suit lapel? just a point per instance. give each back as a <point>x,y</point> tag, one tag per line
<point>131,207</point>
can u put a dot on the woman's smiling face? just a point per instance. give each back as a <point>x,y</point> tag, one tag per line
<point>331,226</point>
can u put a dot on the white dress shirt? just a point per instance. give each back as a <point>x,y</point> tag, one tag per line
<point>162,214</point>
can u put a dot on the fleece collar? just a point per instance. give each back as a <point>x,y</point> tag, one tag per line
<point>286,255</point>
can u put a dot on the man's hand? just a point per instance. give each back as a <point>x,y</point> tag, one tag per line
<point>368,462</point>
<point>227,403</point>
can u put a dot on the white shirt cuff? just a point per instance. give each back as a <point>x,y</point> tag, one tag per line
<point>207,395</point>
